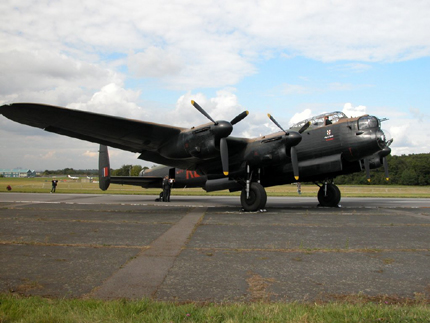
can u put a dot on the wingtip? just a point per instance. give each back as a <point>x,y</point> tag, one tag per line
<point>192,102</point>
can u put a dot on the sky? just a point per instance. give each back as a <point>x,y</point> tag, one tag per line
<point>147,60</point>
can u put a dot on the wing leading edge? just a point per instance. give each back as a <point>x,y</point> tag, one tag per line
<point>122,133</point>
<point>146,138</point>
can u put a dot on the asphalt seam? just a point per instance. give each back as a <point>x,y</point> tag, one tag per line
<point>310,250</point>
<point>80,245</point>
<point>142,276</point>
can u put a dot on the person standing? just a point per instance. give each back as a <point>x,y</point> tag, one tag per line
<point>166,189</point>
<point>299,188</point>
<point>54,185</point>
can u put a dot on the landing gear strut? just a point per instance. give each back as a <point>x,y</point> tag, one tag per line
<point>254,196</point>
<point>329,194</point>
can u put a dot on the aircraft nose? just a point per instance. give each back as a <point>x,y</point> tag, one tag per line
<point>383,138</point>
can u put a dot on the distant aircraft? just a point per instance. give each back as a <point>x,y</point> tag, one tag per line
<point>206,156</point>
<point>72,177</point>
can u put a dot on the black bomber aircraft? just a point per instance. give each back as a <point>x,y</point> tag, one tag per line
<point>319,149</point>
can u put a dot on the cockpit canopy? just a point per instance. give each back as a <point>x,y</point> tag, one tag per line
<point>320,120</point>
<point>367,122</point>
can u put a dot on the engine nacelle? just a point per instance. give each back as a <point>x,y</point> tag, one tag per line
<point>221,184</point>
<point>375,162</point>
<point>201,142</point>
<point>201,146</point>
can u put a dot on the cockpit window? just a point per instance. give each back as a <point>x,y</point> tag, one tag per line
<point>367,122</point>
<point>320,120</point>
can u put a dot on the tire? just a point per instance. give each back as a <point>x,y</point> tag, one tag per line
<point>332,198</point>
<point>257,198</point>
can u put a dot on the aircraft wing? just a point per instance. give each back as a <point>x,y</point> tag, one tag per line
<point>122,133</point>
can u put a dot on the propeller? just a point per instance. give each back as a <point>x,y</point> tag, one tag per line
<point>305,126</point>
<point>225,129</point>
<point>276,123</point>
<point>367,168</point>
<point>198,107</point>
<point>384,159</point>
<point>293,151</point>
<point>239,117</point>
<point>385,163</point>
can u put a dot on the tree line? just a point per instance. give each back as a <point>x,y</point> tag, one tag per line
<point>411,169</point>
<point>70,171</point>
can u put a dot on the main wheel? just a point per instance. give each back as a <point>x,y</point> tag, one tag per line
<point>331,197</point>
<point>257,198</point>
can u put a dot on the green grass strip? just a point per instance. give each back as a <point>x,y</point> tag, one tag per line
<point>36,309</point>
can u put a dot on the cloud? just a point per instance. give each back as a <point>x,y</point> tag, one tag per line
<point>155,62</point>
<point>224,106</point>
<point>351,111</point>
<point>90,56</point>
<point>91,154</point>
<point>420,116</point>
<point>208,44</point>
<point>113,99</point>
<point>300,116</point>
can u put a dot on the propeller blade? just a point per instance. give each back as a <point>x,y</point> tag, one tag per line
<point>198,107</point>
<point>239,117</point>
<point>367,168</point>
<point>305,126</point>
<point>295,162</point>
<point>224,155</point>
<point>385,163</point>
<point>276,123</point>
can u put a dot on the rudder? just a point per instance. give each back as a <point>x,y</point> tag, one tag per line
<point>104,168</point>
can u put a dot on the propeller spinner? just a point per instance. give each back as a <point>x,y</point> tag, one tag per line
<point>293,151</point>
<point>223,131</point>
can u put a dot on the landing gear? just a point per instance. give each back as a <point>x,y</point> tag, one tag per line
<point>257,197</point>
<point>329,195</point>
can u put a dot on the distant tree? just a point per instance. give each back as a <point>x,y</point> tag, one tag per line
<point>411,169</point>
<point>135,170</point>
<point>125,170</point>
<point>409,177</point>
<point>128,170</point>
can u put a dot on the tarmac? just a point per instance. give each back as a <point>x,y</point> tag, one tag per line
<point>205,249</point>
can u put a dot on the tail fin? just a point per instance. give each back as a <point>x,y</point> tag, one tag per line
<point>104,168</point>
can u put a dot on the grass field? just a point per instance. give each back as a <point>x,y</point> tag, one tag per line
<point>83,186</point>
<point>37,309</point>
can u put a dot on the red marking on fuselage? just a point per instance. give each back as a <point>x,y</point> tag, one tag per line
<point>191,174</point>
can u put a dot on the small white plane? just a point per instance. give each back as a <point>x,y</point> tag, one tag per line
<point>72,177</point>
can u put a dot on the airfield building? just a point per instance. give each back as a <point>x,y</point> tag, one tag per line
<point>18,172</point>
